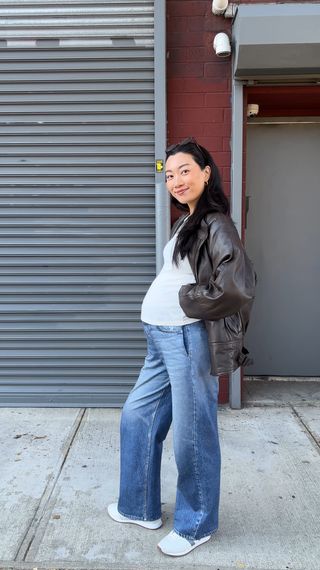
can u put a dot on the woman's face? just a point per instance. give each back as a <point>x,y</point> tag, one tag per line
<point>185,180</point>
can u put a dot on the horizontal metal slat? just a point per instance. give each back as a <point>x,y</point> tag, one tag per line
<point>59,318</point>
<point>112,52</point>
<point>80,212</point>
<point>105,161</point>
<point>66,355</point>
<point>88,242</point>
<point>78,308</point>
<point>90,283</point>
<point>76,250</point>
<point>74,67</point>
<point>65,367</point>
<point>76,9</point>
<point>140,141</point>
<point>80,272</point>
<point>106,86</point>
<point>135,191</point>
<point>74,129</point>
<point>53,222</point>
<point>111,4</point>
<point>72,327</point>
<point>93,338</point>
<point>66,78</point>
<point>72,108</point>
<point>130,234</point>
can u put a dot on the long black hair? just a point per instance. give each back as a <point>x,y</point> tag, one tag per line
<point>212,199</point>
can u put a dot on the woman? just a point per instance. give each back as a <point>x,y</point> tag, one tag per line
<point>194,316</point>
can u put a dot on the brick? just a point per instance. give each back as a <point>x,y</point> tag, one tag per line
<point>180,38</point>
<point>213,144</point>
<point>218,100</point>
<point>226,142</point>
<point>175,84</point>
<point>185,70</point>
<point>227,188</point>
<point>197,85</point>
<point>197,23</point>
<point>226,174</point>
<point>219,85</point>
<point>176,23</point>
<point>217,24</point>
<point>217,69</point>
<point>182,131</point>
<point>227,115</point>
<point>186,54</point>
<point>187,8</point>
<point>178,100</point>
<point>223,159</point>
<point>223,389</point>
<point>202,115</point>
<point>217,129</point>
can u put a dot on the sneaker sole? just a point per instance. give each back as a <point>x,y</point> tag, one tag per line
<point>124,520</point>
<point>203,540</point>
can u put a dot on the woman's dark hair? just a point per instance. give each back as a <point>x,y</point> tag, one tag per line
<point>212,198</point>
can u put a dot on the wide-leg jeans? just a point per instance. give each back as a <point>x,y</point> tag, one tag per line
<point>174,385</point>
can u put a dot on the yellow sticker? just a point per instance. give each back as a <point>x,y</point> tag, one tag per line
<point>159,165</point>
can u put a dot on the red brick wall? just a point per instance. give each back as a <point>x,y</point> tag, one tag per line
<point>199,88</point>
<point>199,85</point>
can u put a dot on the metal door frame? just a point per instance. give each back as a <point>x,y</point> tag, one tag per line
<point>162,199</point>
<point>236,202</point>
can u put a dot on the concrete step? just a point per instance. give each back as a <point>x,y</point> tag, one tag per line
<point>280,391</point>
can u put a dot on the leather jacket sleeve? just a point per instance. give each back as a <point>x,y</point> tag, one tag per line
<point>230,278</point>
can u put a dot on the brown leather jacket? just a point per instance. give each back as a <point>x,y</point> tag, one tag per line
<point>224,290</point>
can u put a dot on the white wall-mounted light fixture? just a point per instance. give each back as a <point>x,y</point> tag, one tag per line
<point>221,45</point>
<point>252,110</point>
<point>219,6</point>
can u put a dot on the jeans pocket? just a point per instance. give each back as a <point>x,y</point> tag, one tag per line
<point>186,340</point>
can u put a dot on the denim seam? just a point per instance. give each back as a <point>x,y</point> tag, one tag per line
<point>148,455</point>
<point>195,461</point>
<point>133,517</point>
<point>187,345</point>
<point>188,537</point>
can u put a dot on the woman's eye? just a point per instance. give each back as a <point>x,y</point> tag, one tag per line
<point>184,171</point>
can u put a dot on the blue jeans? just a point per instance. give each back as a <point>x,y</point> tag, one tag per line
<point>175,386</point>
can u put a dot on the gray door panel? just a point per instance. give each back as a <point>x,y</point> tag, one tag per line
<point>282,238</point>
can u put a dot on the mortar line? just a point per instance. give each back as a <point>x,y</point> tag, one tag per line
<point>40,511</point>
<point>309,432</point>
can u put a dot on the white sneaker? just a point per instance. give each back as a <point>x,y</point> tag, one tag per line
<point>116,516</point>
<point>175,545</point>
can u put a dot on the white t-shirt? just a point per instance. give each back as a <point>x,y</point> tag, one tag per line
<point>160,305</point>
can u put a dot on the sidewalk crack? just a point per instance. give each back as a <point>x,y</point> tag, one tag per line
<point>310,434</point>
<point>41,510</point>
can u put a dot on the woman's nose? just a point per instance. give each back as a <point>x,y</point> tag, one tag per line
<point>176,181</point>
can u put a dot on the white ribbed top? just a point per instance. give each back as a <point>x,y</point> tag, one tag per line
<point>160,305</point>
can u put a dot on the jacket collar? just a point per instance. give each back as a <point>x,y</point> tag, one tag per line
<point>202,235</point>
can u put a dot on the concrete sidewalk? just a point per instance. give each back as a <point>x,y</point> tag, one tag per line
<point>60,469</point>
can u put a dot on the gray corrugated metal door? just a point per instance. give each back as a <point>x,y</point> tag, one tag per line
<point>77,227</point>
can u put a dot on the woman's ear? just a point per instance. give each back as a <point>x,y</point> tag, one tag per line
<point>207,170</point>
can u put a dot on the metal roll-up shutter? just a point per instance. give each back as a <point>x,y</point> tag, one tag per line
<point>77,220</point>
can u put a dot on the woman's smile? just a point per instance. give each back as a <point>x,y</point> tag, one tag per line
<point>181,191</point>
